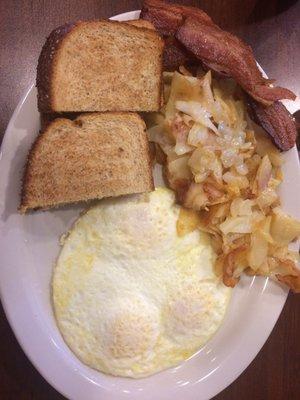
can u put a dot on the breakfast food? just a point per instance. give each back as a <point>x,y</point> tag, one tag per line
<point>141,23</point>
<point>226,54</point>
<point>221,164</point>
<point>143,281</point>
<point>94,156</point>
<point>131,296</point>
<point>100,66</point>
<point>191,35</point>
<point>219,50</point>
<point>277,121</point>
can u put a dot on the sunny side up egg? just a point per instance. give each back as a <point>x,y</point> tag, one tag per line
<point>130,296</point>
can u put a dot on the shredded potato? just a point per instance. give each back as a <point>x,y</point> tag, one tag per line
<point>225,171</point>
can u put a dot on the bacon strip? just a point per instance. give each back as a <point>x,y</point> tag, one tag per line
<point>167,18</point>
<point>175,55</point>
<point>219,50</point>
<point>227,54</point>
<point>276,121</point>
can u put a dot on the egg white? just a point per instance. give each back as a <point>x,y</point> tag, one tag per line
<point>131,297</point>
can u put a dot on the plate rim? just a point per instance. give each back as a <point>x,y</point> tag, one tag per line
<point>41,367</point>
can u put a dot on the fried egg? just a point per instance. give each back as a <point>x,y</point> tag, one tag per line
<point>131,297</point>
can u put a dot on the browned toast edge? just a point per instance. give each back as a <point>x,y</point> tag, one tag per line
<point>45,65</point>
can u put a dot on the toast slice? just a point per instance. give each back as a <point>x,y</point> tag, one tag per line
<point>100,66</point>
<point>96,155</point>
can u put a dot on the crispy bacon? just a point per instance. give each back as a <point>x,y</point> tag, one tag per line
<point>175,55</point>
<point>167,18</point>
<point>276,121</point>
<point>217,49</point>
<point>162,16</point>
<point>227,54</point>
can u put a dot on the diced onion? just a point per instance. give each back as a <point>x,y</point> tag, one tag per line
<point>197,112</point>
<point>198,134</point>
<point>236,225</point>
<point>179,169</point>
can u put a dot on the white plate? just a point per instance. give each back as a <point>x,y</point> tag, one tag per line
<point>29,247</point>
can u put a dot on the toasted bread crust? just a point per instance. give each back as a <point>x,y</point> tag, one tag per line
<point>46,64</point>
<point>49,57</point>
<point>29,195</point>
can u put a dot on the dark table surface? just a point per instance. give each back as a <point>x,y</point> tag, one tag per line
<point>272,28</point>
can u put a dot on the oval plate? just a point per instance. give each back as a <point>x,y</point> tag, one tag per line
<point>29,246</point>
